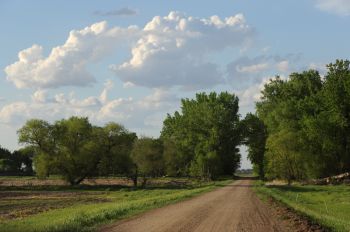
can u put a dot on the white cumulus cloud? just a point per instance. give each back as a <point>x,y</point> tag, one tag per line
<point>66,65</point>
<point>173,50</point>
<point>169,51</point>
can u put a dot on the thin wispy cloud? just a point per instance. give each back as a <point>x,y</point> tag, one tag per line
<point>339,7</point>
<point>125,11</point>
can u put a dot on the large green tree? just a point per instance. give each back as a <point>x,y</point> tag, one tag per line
<point>206,134</point>
<point>76,149</point>
<point>284,106</point>
<point>308,123</point>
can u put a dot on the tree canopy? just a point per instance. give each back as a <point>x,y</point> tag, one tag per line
<point>76,149</point>
<point>205,135</point>
<point>307,120</point>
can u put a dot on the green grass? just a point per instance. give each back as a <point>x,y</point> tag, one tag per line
<point>328,206</point>
<point>118,204</point>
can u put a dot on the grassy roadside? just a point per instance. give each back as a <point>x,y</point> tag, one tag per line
<point>120,204</point>
<point>328,206</point>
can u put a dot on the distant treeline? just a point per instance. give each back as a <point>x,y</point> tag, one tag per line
<point>200,141</point>
<point>17,163</point>
<point>301,128</point>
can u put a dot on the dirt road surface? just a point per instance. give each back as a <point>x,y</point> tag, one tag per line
<point>232,208</point>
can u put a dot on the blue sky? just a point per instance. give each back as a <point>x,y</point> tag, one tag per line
<point>131,61</point>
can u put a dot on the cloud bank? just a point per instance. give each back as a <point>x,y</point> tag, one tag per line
<point>100,109</point>
<point>169,51</point>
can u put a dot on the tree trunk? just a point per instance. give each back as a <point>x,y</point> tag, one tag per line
<point>144,181</point>
<point>134,180</point>
<point>135,177</point>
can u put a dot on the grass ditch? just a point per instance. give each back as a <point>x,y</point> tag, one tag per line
<point>119,204</point>
<point>328,206</point>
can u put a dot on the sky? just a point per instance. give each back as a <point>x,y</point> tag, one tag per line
<point>132,61</point>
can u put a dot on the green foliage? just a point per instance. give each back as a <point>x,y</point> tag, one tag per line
<point>172,159</point>
<point>76,153</point>
<point>308,123</point>
<point>115,146</point>
<point>36,133</point>
<point>284,157</point>
<point>16,163</point>
<point>75,149</point>
<point>42,163</point>
<point>5,157</point>
<point>205,135</point>
<point>147,154</point>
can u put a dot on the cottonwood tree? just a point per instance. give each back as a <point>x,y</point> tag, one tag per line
<point>308,123</point>
<point>283,107</point>
<point>206,134</point>
<point>76,149</point>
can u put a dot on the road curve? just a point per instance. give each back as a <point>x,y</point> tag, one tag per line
<point>232,208</point>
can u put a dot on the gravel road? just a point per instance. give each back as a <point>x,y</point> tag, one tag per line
<point>232,208</point>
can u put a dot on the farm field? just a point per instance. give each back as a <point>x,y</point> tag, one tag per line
<point>328,206</point>
<point>31,206</point>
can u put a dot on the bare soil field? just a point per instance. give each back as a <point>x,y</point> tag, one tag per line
<point>15,204</point>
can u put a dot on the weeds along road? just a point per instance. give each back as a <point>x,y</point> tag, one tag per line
<point>232,208</point>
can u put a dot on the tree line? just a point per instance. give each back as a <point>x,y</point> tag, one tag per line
<point>201,140</point>
<point>301,128</point>
<point>18,162</point>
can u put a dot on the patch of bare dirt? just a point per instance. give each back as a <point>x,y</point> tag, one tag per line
<point>292,220</point>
